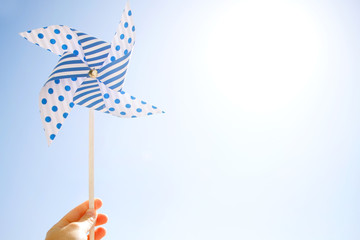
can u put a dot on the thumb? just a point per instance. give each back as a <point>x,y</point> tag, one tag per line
<point>88,220</point>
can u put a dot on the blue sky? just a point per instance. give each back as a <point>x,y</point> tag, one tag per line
<point>260,139</point>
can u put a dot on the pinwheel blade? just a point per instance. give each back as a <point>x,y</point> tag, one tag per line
<point>113,74</point>
<point>89,95</point>
<point>122,104</point>
<point>69,66</point>
<point>56,39</point>
<point>56,102</point>
<point>95,50</point>
<point>124,38</point>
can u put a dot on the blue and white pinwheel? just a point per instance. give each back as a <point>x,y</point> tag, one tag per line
<point>90,73</point>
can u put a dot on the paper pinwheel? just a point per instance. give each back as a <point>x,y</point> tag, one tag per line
<point>90,73</point>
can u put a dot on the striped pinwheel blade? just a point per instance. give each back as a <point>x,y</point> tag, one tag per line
<point>113,74</point>
<point>89,95</point>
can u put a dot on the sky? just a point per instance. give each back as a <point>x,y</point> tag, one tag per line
<point>260,139</point>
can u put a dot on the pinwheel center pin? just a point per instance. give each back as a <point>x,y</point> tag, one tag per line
<point>93,73</point>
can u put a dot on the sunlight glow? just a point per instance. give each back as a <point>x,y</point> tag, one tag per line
<point>266,55</point>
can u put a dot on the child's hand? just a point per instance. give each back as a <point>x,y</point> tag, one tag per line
<point>76,224</point>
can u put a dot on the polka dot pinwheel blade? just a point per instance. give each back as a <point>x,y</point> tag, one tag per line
<point>90,73</point>
<point>56,39</point>
<point>124,38</point>
<point>56,102</point>
<point>124,105</point>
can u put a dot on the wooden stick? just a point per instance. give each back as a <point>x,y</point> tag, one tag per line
<point>91,166</point>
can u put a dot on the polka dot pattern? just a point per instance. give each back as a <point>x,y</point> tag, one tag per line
<point>124,105</point>
<point>124,37</point>
<point>55,38</point>
<point>55,104</point>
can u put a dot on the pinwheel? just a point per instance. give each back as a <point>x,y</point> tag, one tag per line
<point>90,73</point>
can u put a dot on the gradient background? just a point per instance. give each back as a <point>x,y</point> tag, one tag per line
<point>260,139</point>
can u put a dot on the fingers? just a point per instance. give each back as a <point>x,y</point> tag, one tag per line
<point>88,220</point>
<point>100,232</point>
<point>101,219</point>
<point>76,214</point>
<point>97,203</point>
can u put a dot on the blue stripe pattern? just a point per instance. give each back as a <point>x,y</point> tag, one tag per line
<point>89,95</point>
<point>113,74</point>
<point>95,50</point>
<point>69,66</point>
